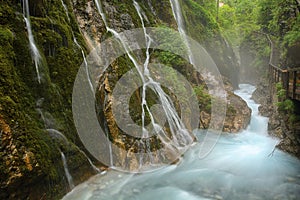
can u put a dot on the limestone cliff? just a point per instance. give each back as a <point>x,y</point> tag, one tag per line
<point>36,97</point>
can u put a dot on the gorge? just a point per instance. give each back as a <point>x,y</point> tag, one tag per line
<point>242,166</point>
<point>169,103</point>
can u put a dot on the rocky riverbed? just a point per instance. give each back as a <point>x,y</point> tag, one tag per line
<point>280,124</point>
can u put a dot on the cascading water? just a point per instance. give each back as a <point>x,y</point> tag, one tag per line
<point>181,138</point>
<point>240,167</point>
<point>78,45</point>
<point>35,54</point>
<point>151,7</point>
<point>67,173</point>
<point>209,79</point>
<point>66,9</point>
<point>146,73</point>
<point>180,25</point>
<point>57,134</point>
<point>84,62</point>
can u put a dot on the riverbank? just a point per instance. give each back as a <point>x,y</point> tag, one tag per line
<point>241,166</point>
<point>280,124</point>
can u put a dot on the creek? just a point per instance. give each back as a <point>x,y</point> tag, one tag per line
<point>241,166</point>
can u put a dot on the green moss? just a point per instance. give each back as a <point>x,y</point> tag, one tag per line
<point>200,24</point>
<point>204,98</point>
<point>19,91</point>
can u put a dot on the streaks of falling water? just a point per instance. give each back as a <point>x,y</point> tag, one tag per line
<point>176,9</point>
<point>81,49</point>
<point>146,73</point>
<point>209,78</point>
<point>66,9</point>
<point>151,7</point>
<point>238,168</point>
<point>67,173</point>
<point>35,54</point>
<point>57,134</point>
<point>177,127</point>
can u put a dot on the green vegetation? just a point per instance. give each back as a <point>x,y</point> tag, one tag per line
<point>204,99</point>
<point>292,37</point>
<point>245,24</point>
<point>20,91</point>
<point>239,22</point>
<point>284,104</point>
<point>240,19</point>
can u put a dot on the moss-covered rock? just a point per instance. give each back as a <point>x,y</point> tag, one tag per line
<point>30,158</point>
<point>32,114</point>
<point>202,27</point>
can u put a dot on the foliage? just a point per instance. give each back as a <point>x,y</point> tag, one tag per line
<point>19,90</point>
<point>292,37</point>
<point>281,19</point>
<point>238,18</point>
<point>278,16</point>
<point>283,104</point>
<point>200,22</point>
<point>204,98</point>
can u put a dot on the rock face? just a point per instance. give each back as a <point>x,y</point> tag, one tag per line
<point>30,164</point>
<point>237,118</point>
<point>279,124</point>
<point>238,114</point>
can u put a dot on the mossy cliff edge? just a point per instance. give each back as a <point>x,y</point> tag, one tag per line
<point>31,165</point>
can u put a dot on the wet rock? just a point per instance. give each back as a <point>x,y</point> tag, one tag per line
<point>126,21</point>
<point>279,124</point>
<point>237,118</point>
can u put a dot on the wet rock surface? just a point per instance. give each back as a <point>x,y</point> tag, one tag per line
<point>279,123</point>
<point>237,117</point>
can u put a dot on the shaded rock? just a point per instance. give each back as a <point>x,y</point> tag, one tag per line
<point>237,118</point>
<point>279,122</point>
<point>238,114</point>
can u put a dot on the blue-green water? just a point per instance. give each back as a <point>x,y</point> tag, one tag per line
<point>241,166</point>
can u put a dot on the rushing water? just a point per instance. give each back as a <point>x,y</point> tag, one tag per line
<point>242,166</point>
<point>209,78</point>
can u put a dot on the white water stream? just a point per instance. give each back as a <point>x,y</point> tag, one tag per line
<point>176,8</point>
<point>180,138</point>
<point>67,173</point>
<point>35,54</point>
<point>241,166</point>
<point>57,134</point>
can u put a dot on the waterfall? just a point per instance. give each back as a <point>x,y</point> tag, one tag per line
<point>35,54</point>
<point>84,62</point>
<point>176,9</point>
<point>209,78</point>
<point>68,175</point>
<point>180,138</point>
<point>146,72</point>
<point>238,168</point>
<point>96,169</point>
<point>151,7</point>
<point>66,9</point>
<point>80,48</point>
<point>57,134</point>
